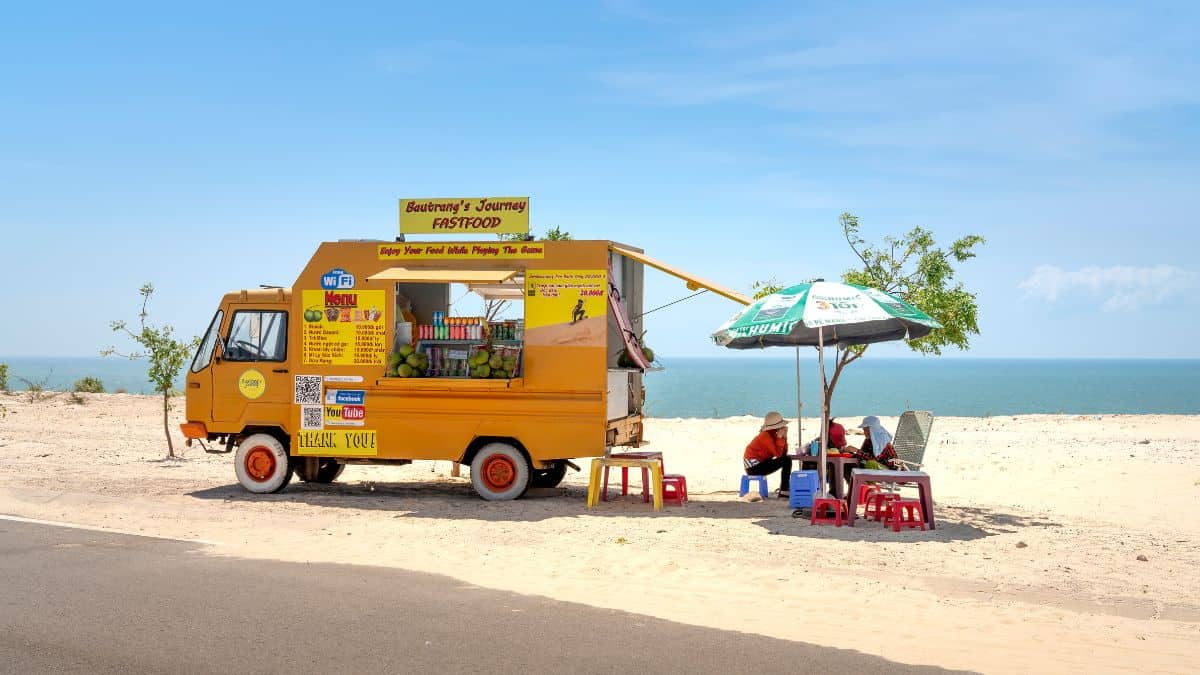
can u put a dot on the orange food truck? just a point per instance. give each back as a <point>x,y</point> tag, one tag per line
<point>360,361</point>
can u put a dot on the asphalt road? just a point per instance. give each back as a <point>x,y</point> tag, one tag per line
<point>84,601</point>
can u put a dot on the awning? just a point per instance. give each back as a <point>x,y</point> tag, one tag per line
<point>498,292</point>
<point>694,283</point>
<point>444,276</point>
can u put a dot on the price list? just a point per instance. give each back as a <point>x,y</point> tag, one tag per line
<point>350,336</point>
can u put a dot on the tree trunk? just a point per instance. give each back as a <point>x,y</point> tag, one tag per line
<point>167,426</point>
<point>844,359</point>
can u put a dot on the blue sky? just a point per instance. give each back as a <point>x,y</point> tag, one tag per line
<point>211,148</point>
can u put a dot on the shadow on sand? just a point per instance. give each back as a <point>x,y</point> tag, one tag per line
<point>441,499</point>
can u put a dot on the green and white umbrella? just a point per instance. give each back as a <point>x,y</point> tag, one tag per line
<point>818,314</point>
<point>823,312</point>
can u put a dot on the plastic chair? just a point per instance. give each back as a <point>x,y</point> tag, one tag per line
<point>912,436</point>
<point>821,505</point>
<point>745,488</point>
<point>674,489</point>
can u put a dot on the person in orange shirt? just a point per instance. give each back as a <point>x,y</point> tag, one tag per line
<point>767,453</point>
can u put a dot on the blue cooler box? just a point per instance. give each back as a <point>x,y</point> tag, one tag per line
<point>804,485</point>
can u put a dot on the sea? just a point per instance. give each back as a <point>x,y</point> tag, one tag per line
<point>730,386</point>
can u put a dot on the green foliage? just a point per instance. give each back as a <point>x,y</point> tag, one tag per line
<point>164,353</point>
<point>76,398</point>
<point>37,391</point>
<point>553,234</point>
<point>3,377</point>
<point>764,288</point>
<point>915,269</point>
<point>89,385</point>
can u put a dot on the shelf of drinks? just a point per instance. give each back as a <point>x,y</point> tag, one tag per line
<point>439,341</point>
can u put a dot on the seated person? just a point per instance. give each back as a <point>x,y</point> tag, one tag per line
<point>767,453</point>
<point>876,451</point>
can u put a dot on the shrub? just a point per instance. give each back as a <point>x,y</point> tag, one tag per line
<point>76,398</point>
<point>89,385</point>
<point>3,377</point>
<point>36,391</point>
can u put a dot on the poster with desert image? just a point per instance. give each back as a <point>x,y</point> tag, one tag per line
<point>566,307</point>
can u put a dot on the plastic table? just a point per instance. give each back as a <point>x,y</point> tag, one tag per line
<point>918,478</point>
<point>835,468</point>
<point>599,463</point>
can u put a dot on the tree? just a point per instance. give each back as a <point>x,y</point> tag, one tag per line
<point>917,271</point>
<point>166,355</point>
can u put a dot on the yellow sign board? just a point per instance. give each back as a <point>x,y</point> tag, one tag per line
<point>501,250</point>
<point>466,215</point>
<point>337,443</point>
<point>566,307</point>
<point>344,328</point>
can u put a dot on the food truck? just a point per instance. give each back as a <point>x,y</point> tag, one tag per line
<point>363,360</point>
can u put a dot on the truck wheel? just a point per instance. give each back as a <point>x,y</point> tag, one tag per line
<point>327,471</point>
<point>262,464</point>
<point>548,478</point>
<point>500,472</point>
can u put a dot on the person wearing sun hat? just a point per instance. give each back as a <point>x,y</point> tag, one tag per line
<point>876,451</point>
<point>767,452</point>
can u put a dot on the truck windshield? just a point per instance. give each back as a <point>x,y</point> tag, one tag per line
<point>256,335</point>
<point>205,353</point>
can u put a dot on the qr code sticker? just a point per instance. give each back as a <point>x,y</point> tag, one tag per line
<point>308,389</point>
<point>312,417</point>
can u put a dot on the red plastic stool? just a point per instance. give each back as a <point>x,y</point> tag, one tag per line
<point>906,513</point>
<point>882,501</point>
<point>674,489</point>
<point>820,504</point>
<point>864,495</point>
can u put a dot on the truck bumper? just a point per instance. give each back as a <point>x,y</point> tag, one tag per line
<point>193,430</point>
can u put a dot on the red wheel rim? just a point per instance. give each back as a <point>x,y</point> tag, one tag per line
<point>499,473</point>
<point>260,464</point>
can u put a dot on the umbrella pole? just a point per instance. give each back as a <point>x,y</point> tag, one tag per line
<point>799,408</point>
<point>824,412</point>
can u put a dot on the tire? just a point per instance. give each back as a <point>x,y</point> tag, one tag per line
<point>500,472</point>
<point>548,478</point>
<point>262,465</point>
<point>327,471</point>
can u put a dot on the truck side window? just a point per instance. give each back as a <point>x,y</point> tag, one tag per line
<point>205,352</point>
<point>256,335</point>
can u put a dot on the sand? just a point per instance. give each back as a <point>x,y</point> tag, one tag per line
<point>1036,564</point>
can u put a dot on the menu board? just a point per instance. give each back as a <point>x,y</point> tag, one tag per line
<point>344,328</point>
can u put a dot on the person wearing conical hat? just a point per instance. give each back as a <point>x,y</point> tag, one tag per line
<point>767,453</point>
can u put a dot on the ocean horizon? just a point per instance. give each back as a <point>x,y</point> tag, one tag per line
<point>720,386</point>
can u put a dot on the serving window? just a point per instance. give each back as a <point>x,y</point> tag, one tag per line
<point>456,323</point>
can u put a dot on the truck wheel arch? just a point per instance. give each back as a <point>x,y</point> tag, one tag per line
<point>480,441</point>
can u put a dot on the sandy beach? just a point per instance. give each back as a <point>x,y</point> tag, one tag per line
<point>1065,543</point>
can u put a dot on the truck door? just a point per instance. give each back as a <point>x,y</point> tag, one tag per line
<point>199,377</point>
<point>251,380</point>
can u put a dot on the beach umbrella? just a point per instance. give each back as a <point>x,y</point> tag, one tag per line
<point>823,313</point>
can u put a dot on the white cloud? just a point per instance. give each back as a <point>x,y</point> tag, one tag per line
<point>1125,288</point>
